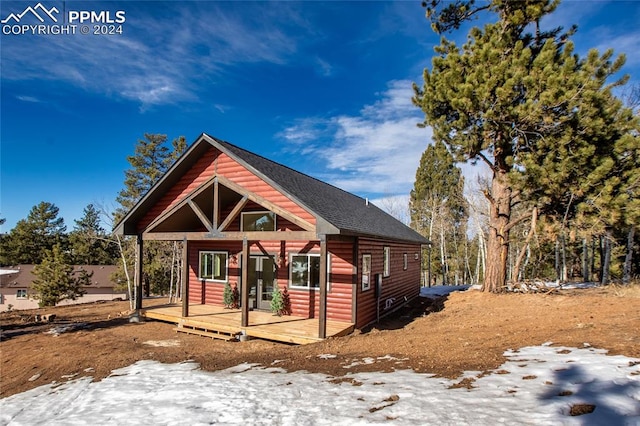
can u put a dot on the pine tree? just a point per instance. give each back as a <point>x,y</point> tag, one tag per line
<point>438,209</point>
<point>286,302</point>
<point>152,158</point>
<point>526,105</point>
<point>231,296</point>
<point>236,296</point>
<point>227,296</point>
<point>28,242</point>
<point>88,241</point>
<point>148,164</point>
<point>277,304</point>
<point>56,280</point>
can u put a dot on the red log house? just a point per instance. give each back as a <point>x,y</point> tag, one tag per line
<point>246,219</point>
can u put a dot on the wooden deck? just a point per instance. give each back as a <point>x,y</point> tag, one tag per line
<point>218,322</point>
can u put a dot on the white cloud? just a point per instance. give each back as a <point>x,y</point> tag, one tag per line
<point>29,99</point>
<point>323,68</point>
<point>158,59</point>
<point>377,151</point>
<point>626,44</point>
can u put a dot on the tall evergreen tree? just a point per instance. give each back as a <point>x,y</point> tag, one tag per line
<point>148,164</point>
<point>56,280</point>
<point>152,158</point>
<point>28,241</point>
<point>437,208</point>
<point>88,241</point>
<point>525,104</point>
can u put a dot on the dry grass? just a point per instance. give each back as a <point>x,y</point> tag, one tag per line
<point>629,290</point>
<point>470,331</point>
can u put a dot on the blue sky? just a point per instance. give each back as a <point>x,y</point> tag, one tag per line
<point>322,87</point>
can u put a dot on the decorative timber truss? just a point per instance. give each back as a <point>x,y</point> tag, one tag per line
<point>206,204</point>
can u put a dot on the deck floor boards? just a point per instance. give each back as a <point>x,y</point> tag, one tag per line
<point>263,325</point>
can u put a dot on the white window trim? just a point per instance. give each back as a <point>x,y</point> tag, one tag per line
<point>366,285</point>
<point>226,265</point>
<point>275,218</point>
<point>308,287</point>
<point>18,296</point>
<point>386,261</point>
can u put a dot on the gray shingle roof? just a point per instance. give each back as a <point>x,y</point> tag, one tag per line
<point>336,211</point>
<point>348,213</point>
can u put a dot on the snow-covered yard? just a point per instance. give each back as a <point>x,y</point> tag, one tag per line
<point>537,385</point>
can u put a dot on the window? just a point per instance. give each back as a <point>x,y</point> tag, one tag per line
<point>22,294</point>
<point>258,221</point>
<point>213,265</point>
<point>387,261</point>
<point>305,270</point>
<point>366,272</point>
<point>405,262</point>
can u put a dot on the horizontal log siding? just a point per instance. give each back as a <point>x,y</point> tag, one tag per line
<point>209,292</point>
<point>201,171</point>
<point>205,168</point>
<point>304,303</point>
<point>341,281</point>
<point>398,285</point>
<point>237,173</point>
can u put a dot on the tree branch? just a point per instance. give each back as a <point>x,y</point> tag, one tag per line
<point>517,221</point>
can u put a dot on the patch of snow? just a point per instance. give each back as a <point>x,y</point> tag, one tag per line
<point>65,328</point>
<point>327,356</point>
<point>162,343</point>
<point>537,385</point>
<point>441,290</point>
<point>69,376</point>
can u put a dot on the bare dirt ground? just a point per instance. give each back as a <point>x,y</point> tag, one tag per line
<point>466,331</point>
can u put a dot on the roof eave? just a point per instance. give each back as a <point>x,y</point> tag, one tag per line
<point>124,227</point>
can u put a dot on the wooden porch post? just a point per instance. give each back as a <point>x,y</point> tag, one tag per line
<point>245,283</point>
<point>185,278</point>
<point>138,284</point>
<point>322,329</point>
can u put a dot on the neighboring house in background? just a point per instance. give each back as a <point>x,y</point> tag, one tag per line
<point>15,286</point>
<point>246,219</point>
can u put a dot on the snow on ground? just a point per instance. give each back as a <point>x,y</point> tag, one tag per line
<point>441,290</point>
<point>537,385</point>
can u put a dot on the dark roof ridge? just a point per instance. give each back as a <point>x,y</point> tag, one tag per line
<point>287,167</point>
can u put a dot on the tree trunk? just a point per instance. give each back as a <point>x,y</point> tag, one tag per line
<point>532,231</point>
<point>443,257</point>
<point>557,258</point>
<point>592,259</point>
<point>606,257</point>
<point>563,247</point>
<point>626,274</point>
<point>123,257</point>
<point>482,255</point>
<point>495,279</point>
<point>585,260</point>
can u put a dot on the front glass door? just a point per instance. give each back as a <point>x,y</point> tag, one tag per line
<point>261,275</point>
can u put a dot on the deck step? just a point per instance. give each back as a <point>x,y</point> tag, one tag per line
<point>214,334</point>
